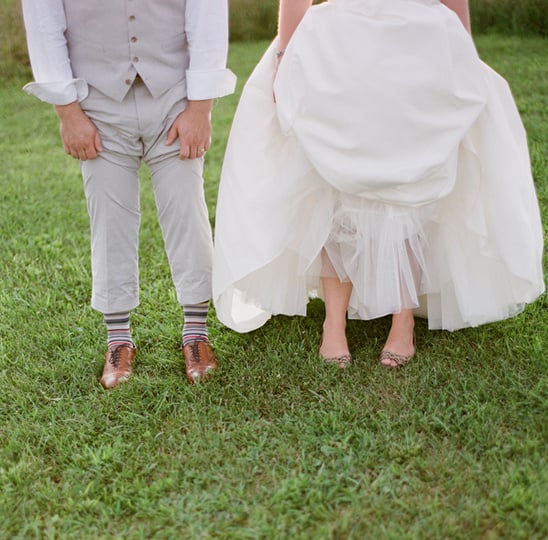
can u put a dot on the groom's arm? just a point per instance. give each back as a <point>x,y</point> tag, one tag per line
<point>207,77</point>
<point>45,25</point>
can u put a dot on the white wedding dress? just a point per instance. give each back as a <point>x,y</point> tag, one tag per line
<point>395,150</point>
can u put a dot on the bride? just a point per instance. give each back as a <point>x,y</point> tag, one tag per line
<point>390,174</point>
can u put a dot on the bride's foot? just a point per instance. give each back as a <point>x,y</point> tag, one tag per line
<point>334,347</point>
<point>400,346</point>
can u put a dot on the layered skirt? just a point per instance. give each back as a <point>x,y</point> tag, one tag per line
<point>392,157</point>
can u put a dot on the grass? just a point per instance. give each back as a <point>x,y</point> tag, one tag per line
<point>277,445</point>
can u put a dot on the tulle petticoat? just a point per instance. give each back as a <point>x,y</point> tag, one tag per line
<point>392,148</point>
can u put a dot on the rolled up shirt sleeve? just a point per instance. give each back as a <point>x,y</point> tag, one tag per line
<point>45,25</point>
<point>207,34</point>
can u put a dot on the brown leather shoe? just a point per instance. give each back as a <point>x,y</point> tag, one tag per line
<point>117,365</point>
<point>200,360</point>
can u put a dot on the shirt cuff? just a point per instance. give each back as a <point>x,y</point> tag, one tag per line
<point>58,93</point>
<point>209,84</point>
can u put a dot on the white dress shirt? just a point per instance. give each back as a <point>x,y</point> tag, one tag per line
<point>205,27</point>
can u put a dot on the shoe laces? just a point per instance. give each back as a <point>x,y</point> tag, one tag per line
<point>116,355</point>
<point>194,345</point>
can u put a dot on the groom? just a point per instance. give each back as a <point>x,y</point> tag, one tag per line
<point>134,81</point>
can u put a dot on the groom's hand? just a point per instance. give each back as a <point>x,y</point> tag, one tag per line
<point>79,134</point>
<point>193,128</point>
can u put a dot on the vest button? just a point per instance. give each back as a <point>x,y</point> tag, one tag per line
<point>135,58</point>
<point>128,81</point>
<point>133,39</point>
<point>131,18</point>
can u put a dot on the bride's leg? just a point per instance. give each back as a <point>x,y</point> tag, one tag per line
<point>400,345</point>
<point>336,297</point>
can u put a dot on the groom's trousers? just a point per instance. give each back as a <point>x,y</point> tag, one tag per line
<point>132,132</point>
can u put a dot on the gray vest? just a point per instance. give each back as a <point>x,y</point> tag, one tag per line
<point>111,41</point>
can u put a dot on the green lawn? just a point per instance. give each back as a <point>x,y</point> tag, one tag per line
<point>277,445</point>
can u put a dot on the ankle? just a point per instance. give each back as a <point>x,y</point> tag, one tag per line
<point>403,321</point>
<point>333,342</point>
<point>191,338</point>
<point>112,345</point>
<point>195,323</point>
<point>118,329</point>
<point>334,326</point>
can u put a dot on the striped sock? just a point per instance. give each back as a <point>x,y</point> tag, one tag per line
<point>195,326</point>
<point>118,332</point>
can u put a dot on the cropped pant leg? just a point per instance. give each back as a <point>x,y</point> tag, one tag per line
<point>182,212</point>
<point>112,193</point>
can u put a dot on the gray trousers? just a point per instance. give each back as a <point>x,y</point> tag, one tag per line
<point>131,132</point>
